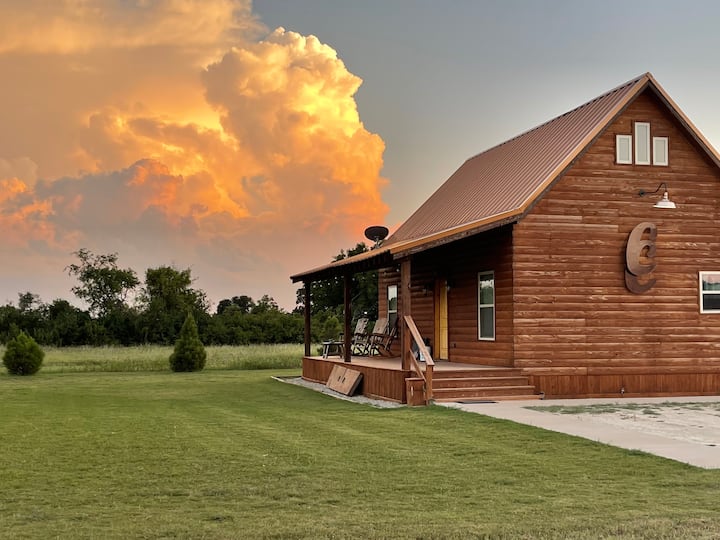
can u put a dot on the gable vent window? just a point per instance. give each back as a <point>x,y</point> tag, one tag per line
<point>623,149</point>
<point>660,151</point>
<point>642,143</point>
<point>645,147</point>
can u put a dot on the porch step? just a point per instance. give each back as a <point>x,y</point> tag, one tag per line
<point>494,384</point>
<point>471,373</point>
<point>495,392</point>
<point>478,382</point>
<point>519,397</point>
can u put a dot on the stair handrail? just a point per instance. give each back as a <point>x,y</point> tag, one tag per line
<point>427,374</point>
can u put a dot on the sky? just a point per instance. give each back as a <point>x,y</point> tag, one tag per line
<point>250,141</point>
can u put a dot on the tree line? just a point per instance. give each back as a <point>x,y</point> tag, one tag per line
<point>122,310</point>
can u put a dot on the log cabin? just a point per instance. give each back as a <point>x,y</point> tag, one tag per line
<point>578,259</point>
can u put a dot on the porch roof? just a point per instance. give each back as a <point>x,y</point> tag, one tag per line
<point>370,260</point>
<point>500,185</point>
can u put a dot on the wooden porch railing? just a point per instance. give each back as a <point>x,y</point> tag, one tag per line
<point>424,354</point>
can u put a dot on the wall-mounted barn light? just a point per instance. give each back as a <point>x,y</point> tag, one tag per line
<point>665,202</point>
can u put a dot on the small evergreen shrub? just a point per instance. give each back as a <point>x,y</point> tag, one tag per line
<point>189,353</point>
<point>23,356</point>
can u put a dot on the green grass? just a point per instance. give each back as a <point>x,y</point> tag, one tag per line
<point>155,358</point>
<point>235,454</point>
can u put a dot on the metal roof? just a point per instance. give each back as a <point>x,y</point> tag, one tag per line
<point>499,185</point>
<point>506,178</point>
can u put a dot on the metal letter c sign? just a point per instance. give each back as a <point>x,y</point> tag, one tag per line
<point>639,256</point>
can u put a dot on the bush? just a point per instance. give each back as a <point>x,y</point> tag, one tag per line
<point>23,356</point>
<point>189,353</point>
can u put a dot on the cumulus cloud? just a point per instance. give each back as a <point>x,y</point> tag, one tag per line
<point>71,26</point>
<point>248,167</point>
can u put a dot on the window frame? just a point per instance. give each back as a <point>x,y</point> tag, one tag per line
<point>642,137</point>
<point>391,312</point>
<point>483,276</point>
<point>624,141</point>
<point>702,293</point>
<point>666,151</point>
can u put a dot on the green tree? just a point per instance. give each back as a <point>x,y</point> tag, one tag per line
<point>166,299</point>
<point>28,301</point>
<point>31,314</point>
<point>243,303</point>
<point>103,285</point>
<point>189,353</point>
<point>10,322</point>
<point>66,325</point>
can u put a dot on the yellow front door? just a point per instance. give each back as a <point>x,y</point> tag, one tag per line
<point>441,320</point>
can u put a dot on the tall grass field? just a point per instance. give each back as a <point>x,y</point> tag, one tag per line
<point>232,453</point>
<point>155,358</point>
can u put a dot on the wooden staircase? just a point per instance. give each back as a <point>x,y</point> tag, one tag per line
<point>492,384</point>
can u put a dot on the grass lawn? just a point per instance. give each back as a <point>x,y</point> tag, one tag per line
<point>235,454</point>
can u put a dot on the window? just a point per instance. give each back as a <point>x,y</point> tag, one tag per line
<point>660,150</point>
<point>623,149</point>
<point>392,309</point>
<point>709,292</point>
<point>486,306</point>
<point>642,143</point>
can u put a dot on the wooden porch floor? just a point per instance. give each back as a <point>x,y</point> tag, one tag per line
<point>394,363</point>
<point>384,378</point>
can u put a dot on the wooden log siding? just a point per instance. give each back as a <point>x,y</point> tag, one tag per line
<point>572,310</point>
<point>460,262</point>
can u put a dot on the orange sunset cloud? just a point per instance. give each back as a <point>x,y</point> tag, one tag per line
<point>177,131</point>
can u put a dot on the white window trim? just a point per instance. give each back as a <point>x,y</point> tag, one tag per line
<point>656,161</point>
<point>626,142</point>
<point>701,293</point>
<point>640,140</point>
<point>390,312</point>
<point>481,275</point>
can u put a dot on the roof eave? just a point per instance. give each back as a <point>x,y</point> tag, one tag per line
<point>410,247</point>
<point>362,262</point>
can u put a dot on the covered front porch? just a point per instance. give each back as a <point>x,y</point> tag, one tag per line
<point>424,285</point>
<point>385,378</point>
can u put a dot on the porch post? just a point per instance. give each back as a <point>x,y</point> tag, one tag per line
<point>347,337</point>
<point>405,309</point>
<point>308,334</point>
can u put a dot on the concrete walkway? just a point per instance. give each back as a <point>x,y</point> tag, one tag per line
<point>585,425</point>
